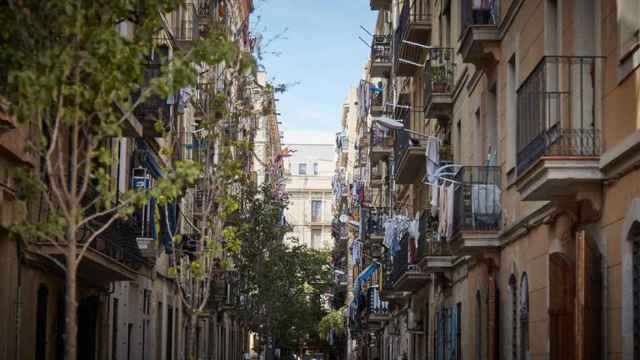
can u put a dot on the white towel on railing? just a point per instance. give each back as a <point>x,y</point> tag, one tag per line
<point>485,204</point>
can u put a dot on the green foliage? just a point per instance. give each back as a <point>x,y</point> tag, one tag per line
<point>332,321</point>
<point>285,282</point>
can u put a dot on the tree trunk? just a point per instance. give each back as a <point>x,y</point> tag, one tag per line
<point>71,305</point>
<point>191,343</point>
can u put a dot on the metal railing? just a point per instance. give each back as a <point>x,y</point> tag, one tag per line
<point>118,242</point>
<point>477,199</point>
<point>374,218</point>
<point>185,28</point>
<point>475,12</point>
<point>414,12</point>
<point>381,49</point>
<point>439,72</point>
<point>556,110</point>
<point>377,99</point>
<point>381,137</point>
<point>400,147</point>
<point>154,107</point>
<point>407,259</point>
<point>430,245</point>
<point>375,305</point>
<point>202,98</point>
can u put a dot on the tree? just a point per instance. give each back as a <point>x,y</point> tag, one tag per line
<point>76,81</point>
<point>285,283</point>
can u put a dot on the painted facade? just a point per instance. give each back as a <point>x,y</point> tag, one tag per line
<point>534,102</point>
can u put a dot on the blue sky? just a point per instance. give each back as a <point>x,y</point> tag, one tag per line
<point>321,50</point>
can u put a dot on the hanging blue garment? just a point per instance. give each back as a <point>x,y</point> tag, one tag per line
<point>364,276</point>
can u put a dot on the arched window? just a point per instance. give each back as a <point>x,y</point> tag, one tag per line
<point>41,322</point>
<point>478,325</point>
<point>513,286</point>
<point>524,317</point>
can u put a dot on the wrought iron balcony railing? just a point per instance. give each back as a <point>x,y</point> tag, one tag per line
<point>374,218</point>
<point>375,304</point>
<point>381,49</point>
<point>479,12</point>
<point>477,199</point>
<point>439,72</point>
<point>155,107</point>
<point>557,110</point>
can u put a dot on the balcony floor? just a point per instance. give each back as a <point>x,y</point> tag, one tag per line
<point>439,105</point>
<point>558,176</point>
<point>380,69</point>
<point>477,43</point>
<point>95,267</point>
<point>380,152</point>
<point>411,281</point>
<point>470,242</point>
<point>437,264</point>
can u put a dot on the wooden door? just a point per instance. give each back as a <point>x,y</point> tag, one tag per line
<point>588,298</point>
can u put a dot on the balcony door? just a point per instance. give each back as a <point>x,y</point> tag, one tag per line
<point>561,307</point>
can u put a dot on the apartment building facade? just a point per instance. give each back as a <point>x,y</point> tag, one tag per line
<point>129,305</point>
<point>509,136</point>
<point>308,171</point>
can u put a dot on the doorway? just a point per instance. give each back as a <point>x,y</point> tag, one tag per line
<point>561,307</point>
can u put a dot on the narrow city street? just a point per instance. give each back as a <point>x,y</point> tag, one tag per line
<point>319,179</point>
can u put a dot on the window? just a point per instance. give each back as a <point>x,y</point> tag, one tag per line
<point>302,169</point>
<point>628,26</point>
<point>114,331</point>
<point>524,317</point>
<point>514,317</point>
<point>316,169</point>
<point>316,237</point>
<point>511,113</point>
<point>316,210</point>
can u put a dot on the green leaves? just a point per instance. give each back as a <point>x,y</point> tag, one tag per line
<point>332,321</point>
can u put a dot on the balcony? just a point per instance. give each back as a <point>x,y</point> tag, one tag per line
<point>413,27</point>
<point>558,140</point>
<point>477,214</point>
<point>374,218</point>
<point>409,155</point>
<point>381,56</point>
<point>154,108</point>
<point>202,100</point>
<point>479,32</point>
<point>112,256</point>
<point>439,83</point>
<point>378,106</point>
<point>406,276</point>
<point>380,4</point>
<point>381,144</point>
<point>435,253</point>
<point>208,13</point>
<point>377,310</point>
<point>185,30</point>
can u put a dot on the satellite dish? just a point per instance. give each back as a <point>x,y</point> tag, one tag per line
<point>343,218</point>
<point>389,123</point>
